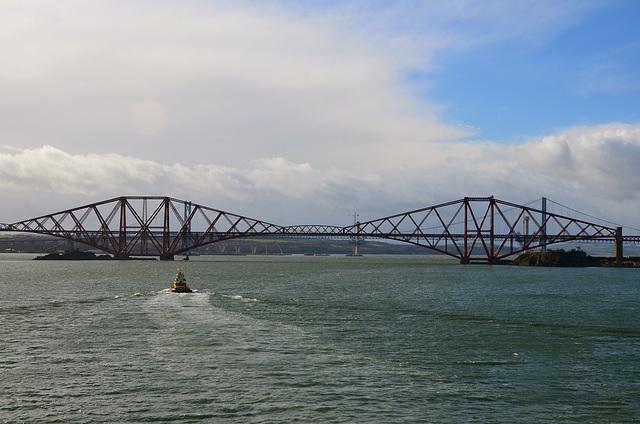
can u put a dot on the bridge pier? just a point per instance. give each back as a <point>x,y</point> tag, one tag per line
<point>489,261</point>
<point>121,256</point>
<point>166,257</point>
<point>618,251</point>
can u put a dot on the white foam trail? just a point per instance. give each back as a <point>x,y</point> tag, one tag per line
<point>238,297</point>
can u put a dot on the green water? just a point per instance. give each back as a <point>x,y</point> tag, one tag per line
<point>317,340</point>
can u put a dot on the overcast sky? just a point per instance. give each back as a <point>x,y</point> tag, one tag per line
<point>306,111</point>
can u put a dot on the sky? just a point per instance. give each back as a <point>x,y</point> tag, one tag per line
<point>299,112</point>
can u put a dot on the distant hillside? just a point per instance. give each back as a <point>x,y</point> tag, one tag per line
<point>312,246</point>
<point>31,243</point>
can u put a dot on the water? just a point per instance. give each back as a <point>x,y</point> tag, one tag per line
<point>317,339</point>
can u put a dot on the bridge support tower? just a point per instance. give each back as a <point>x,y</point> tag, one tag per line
<point>543,228</point>
<point>618,251</point>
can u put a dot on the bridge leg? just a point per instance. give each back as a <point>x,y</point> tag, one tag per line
<point>166,257</point>
<point>464,261</point>
<point>121,256</point>
<point>619,254</point>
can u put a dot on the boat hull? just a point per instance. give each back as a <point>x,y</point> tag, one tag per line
<point>182,290</point>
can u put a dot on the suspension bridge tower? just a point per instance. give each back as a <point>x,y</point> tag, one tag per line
<point>356,242</point>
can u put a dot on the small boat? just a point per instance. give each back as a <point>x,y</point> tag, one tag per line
<point>180,283</point>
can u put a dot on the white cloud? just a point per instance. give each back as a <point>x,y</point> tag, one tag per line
<point>148,118</point>
<point>598,160</point>
<point>593,169</point>
<point>238,82</point>
<point>271,110</point>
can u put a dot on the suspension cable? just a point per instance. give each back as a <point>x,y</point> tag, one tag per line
<point>590,216</point>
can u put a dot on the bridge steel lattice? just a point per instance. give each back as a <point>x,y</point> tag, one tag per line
<point>482,229</point>
<point>144,226</point>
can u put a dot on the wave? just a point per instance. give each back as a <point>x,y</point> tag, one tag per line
<point>237,297</point>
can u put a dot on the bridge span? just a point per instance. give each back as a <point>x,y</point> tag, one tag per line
<point>482,229</point>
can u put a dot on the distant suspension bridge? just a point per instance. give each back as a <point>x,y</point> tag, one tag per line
<point>471,229</point>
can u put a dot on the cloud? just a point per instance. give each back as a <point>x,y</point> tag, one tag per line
<point>242,81</point>
<point>49,168</point>
<point>600,161</point>
<point>593,169</point>
<point>614,71</point>
<point>48,173</point>
<point>418,31</point>
<point>148,118</point>
<point>273,110</point>
<point>220,78</point>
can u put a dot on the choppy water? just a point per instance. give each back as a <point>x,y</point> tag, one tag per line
<point>317,339</point>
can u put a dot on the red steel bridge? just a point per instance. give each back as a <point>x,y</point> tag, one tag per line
<point>472,229</point>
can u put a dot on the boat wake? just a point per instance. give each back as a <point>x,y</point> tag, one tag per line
<point>236,297</point>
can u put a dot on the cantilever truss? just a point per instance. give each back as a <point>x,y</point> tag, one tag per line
<point>470,229</point>
<point>144,226</point>
<point>482,229</point>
